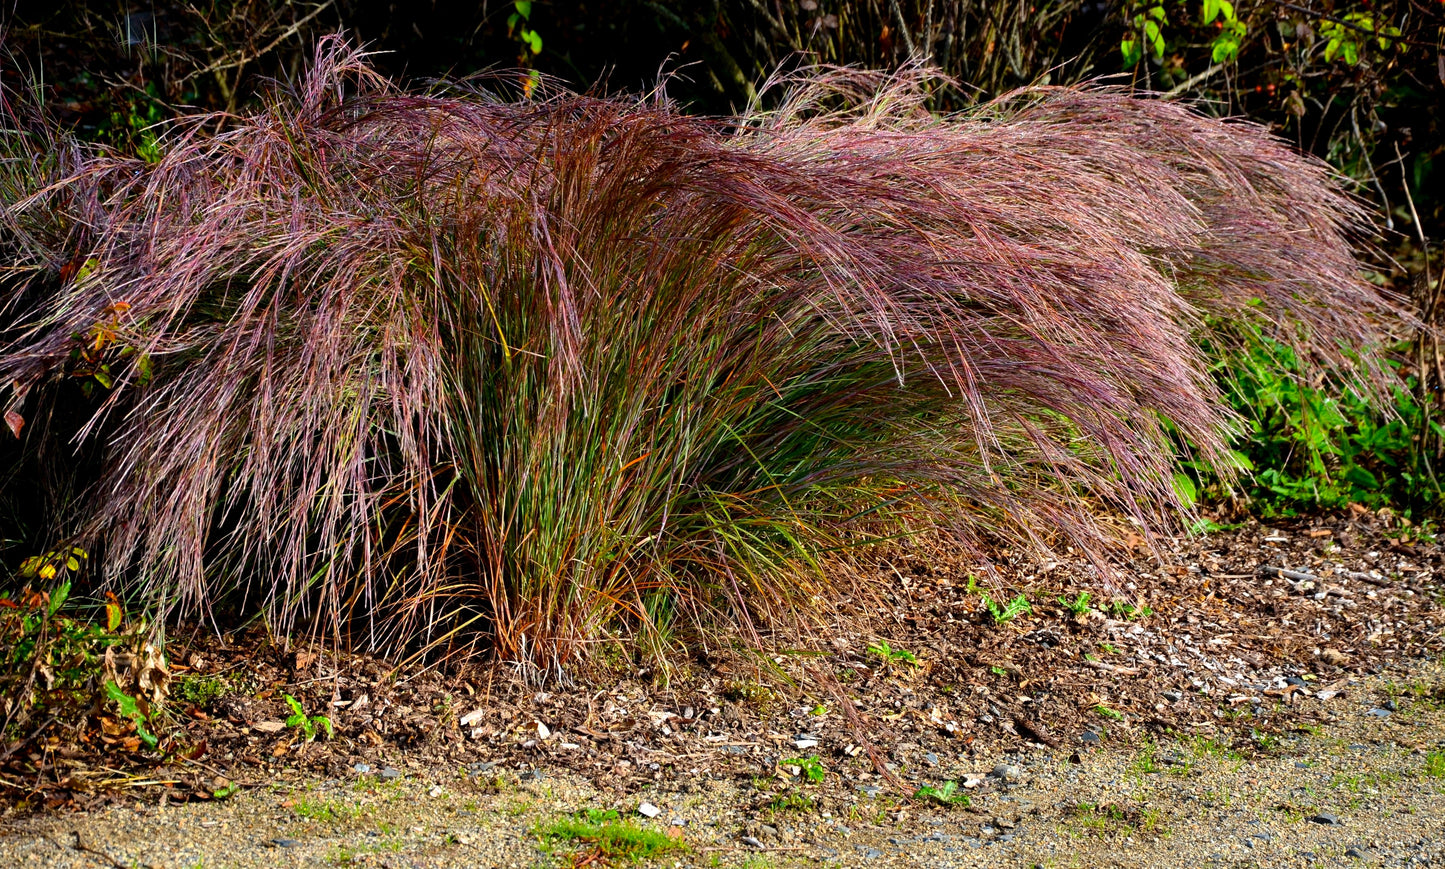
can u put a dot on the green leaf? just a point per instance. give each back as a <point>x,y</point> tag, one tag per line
<point>1184,487</point>
<point>62,591</point>
<point>1129,48</point>
<point>112,617</point>
<point>1211,10</point>
<point>534,41</point>
<point>524,8</point>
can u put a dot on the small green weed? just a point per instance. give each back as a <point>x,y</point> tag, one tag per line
<point>325,810</point>
<point>1009,611</point>
<point>793,801</point>
<point>1078,606</point>
<point>946,795</point>
<point>199,691</point>
<point>1110,820</point>
<point>308,724</point>
<point>612,838</point>
<point>1435,764</point>
<point>1105,711</point>
<point>130,708</point>
<point>752,693</point>
<point>809,766</point>
<point>889,655</point>
<point>1129,611</point>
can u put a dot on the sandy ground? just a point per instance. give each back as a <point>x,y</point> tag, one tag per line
<point>1364,787</point>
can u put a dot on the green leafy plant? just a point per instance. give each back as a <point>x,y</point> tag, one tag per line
<point>794,801</point>
<point>1435,764</point>
<point>130,708</point>
<point>52,654</point>
<point>889,655</point>
<point>1078,606</point>
<point>1009,611</point>
<point>1224,48</point>
<point>307,724</point>
<point>1106,712</point>
<point>1129,611</point>
<point>1347,38</point>
<point>1311,447</point>
<point>947,795</point>
<point>1147,35</point>
<point>810,766</point>
<point>519,25</point>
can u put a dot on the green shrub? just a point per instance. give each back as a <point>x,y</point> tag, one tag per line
<point>1312,445</point>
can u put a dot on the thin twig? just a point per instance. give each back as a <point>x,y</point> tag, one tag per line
<point>1192,81</point>
<point>903,29</point>
<point>218,66</point>
<point>1321,16</point>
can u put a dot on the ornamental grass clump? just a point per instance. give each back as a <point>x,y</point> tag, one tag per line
<point>417,368</point>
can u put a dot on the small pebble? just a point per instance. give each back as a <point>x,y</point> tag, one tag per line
<point>1326,818</point>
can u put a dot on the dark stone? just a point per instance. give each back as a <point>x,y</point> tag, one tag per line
<point>391,773</point>
<point>285,843</point>
<point>1379,713</point>
<point>1358,852</point>
<point>1326,818</point>
<point>1089,737</point>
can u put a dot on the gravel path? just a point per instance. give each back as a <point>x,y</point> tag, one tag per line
<point>1365,788</point>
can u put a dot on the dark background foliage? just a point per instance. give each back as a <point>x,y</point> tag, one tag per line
<point>1359,83</point>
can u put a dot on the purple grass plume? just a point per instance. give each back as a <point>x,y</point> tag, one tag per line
<point>426,368</point>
